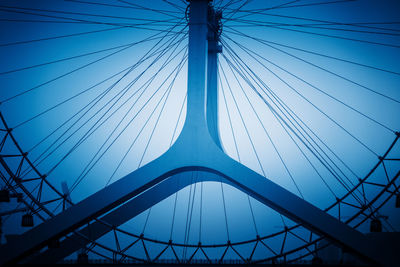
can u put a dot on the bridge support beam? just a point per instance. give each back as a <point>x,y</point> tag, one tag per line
<point>214,48</point>
<point>117,217</point>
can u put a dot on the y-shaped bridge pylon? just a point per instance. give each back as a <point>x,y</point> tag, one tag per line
<point>196,149</point>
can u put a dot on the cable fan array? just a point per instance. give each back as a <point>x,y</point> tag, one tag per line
<point>94,90</point>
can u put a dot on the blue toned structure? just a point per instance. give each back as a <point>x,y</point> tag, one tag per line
<point>198,148</point>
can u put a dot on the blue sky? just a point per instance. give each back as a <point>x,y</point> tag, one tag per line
<point>336,66</point>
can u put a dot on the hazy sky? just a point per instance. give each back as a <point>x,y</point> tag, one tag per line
<point>68,67</point>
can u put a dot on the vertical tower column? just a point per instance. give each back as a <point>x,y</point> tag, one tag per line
<point>197,66</point>
<point>202,102</point>
<point>214,48</point>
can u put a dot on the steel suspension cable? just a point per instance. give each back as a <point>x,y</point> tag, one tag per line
<point>183,61</point>
<point>325,114</point>
<point>84,21</point>
<point>70,72</point>
<point>321,26</point>
<point>85,90</point>
<point>333,73</point>
<point>170,144</point>
<point>245,127</point>
<point>318,156</point>
<point>236,146</point>
<point>178,69</point>
<point>70,58</point>
<point>86,14</point>
<point>313,86</point>
<point>269,8</point>
<point>176,6</point>
<point>201,210</point>
<point>337,37</point>
<point>145,85</point>
<point>265,130</point>
<point>163,12</point>
<point>123,91</point>
<point>192,179</point>
<point>298,118</point>
<point>155,126</point>
<point>360,24</point>
<point>313,150</point>
<point>58,37</point>
<point>260,40</point>
<point>83,174</point>
<point>225,215</point>
<point>119,6</point>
